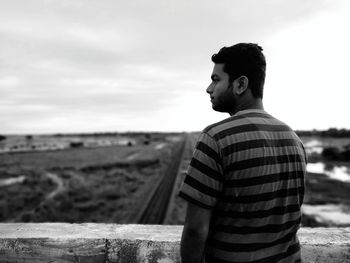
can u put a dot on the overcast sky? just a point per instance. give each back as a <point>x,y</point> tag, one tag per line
<point>96,66</point>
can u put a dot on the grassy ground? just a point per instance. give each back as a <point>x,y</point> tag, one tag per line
<point>320,189</point>
<point>104,184</point>
<point>77,158</point>
<point>18,197</point>
<point>109,184</point>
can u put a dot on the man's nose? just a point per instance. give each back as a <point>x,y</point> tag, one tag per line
<point>209,89</point>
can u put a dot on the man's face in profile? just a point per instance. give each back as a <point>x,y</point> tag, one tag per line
<point>220,90</point>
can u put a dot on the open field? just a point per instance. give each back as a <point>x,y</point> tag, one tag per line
<point>95,184</point>
<point>90,182</point>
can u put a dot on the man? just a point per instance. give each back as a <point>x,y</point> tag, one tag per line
<point>245,182</point>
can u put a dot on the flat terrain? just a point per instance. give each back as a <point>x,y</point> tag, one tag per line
<point>110,181</point>
<point>84,184</point>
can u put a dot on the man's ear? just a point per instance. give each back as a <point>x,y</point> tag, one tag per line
<point>241,85</point>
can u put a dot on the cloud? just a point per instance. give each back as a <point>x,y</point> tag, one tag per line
<point>76,61</point>
<point>308,66</point>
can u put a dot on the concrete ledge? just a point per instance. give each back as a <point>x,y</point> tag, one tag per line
<point>61,242</point>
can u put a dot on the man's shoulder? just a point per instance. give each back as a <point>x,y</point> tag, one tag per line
<point>240,118</point>
<point>246,121</point>
<point>215,128</point>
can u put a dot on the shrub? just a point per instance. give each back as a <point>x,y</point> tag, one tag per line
<point>346,153</point>
<point>76,144</point>
<point>26,217</point>
<point>88,207</point>
<point>331,153</point>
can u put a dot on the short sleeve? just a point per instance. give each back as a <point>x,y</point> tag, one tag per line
<point>204,177</point>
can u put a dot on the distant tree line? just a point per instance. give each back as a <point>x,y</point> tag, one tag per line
<point>103,134</point>
<point>331,132</point>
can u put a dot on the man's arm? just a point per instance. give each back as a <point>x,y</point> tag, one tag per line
<point>195,233</point>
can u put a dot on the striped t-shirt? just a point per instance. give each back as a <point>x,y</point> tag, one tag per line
<point>249,169</point>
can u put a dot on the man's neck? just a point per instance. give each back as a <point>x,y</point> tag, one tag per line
<point>248,105</point>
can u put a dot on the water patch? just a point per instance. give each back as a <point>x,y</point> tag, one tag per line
<point>330,214</point>
<point>314,146</point>
<point>12,180</point>
<point>341,173</point>
<point>160,146</point>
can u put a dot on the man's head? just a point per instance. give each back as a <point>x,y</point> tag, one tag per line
<point>238,70</point>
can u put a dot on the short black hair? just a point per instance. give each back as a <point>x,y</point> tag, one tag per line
<point>244,59</point>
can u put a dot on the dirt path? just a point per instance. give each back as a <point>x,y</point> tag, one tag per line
<point>59,188</point>
<point>132,156</point>
<point>60,185</point>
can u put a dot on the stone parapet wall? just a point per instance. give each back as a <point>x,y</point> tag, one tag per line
<point>90,242</point>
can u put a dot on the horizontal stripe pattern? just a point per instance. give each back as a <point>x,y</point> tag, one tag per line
<point>249,169</point>
<point>277,210</point>
<point>257,143</point>
<point>216,126</point>
<point>201,187</point>
<point>209,151</point>
<point>265,205</point>
<point>262,161</point>
<point>255,237</point>
<point>264,179</point>
<point>205,169</point>
<point>254,198</point>
<point>249,128</point>
<point>292,254</point>
<point>272,219</point>
<point>241,247</point>
<point>249,136</point>
<point>262,152</point>
<point>270,228</point>
<point>194,201</point>
<point>265,170</point>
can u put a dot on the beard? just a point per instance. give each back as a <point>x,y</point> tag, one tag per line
<point>224,106</point>
<point>225,102</point>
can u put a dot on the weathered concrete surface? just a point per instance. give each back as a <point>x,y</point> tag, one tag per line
<point>61,242</point>
<point>325,244</point>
